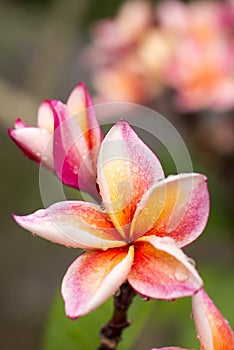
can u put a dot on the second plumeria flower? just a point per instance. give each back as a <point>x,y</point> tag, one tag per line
<point>66,139</point>
<point>136,234</point>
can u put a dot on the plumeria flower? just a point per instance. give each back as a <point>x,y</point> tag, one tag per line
<point>201,69</point>
<point>137,232</point>
<point>66,139</point>
<point>214,331</point>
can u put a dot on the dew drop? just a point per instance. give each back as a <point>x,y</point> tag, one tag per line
<point>144,298</point>
<point>69,212</point>
<point>117,292</point>
<point>192,262</point>
<point>181,274</point>
<point>38,154</point>
<point>146,211</point>
<point>102,206</point>
<point>40,213</point>
<point>172,300</point>
<point>75,169</point>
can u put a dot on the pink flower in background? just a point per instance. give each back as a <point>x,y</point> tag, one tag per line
<point>136,234</point>
<point>116,59</point>
<point>213,330</point>
<point>201,69</point>
<point>124,82</point>
<point>66,140</point>
<point>111,35</point>
<point>145,51</point>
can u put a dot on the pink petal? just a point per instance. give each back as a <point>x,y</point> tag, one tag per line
<point>45,116</point>
<point>19,124</point>
<point>74,224</point>
<point>72,160</point>
<point>127,168</point>
<point>177,207</point>
<point>35,143</point>
<point>80,105</point>
<point>213,330</point>
<point>161,270</point>
<point>93,278</point>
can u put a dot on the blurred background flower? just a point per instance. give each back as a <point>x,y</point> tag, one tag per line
<point>173,56</point>
<point>148,48</point>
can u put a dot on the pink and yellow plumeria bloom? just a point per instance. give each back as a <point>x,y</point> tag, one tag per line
<point>66,140</point>
<point>137,236</point>
<point>213,330</point>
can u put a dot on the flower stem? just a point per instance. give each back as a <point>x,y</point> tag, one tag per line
<point>110,334</point>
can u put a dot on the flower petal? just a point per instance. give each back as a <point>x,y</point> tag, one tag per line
<point>74,224</point>
<point>126,170</point>
<point>177,207</point>
<point>19,124</point>
<point>78,100</point>
<point>161,270</point>
<point>80,105</point>
<point>213,330</point>
<point>72,160</point>
<point>93,278</point>
<point>35,143</point>
<point>45,116</point>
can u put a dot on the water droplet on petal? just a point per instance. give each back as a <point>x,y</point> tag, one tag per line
<point>69,212</point>
<point>75,169</point>
<point>103,247</point>
<point>144,298</point>
<point>172,300</point>
<point>117,292</point>
<point>192,262</point>
<point>181,274</point>
<point>102,206</point>
<point>40,213</point>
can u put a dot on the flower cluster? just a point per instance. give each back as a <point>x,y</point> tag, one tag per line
<point>144,51</point>
<point>140,222</point>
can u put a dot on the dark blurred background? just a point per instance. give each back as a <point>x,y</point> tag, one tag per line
<point>40,43</point>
